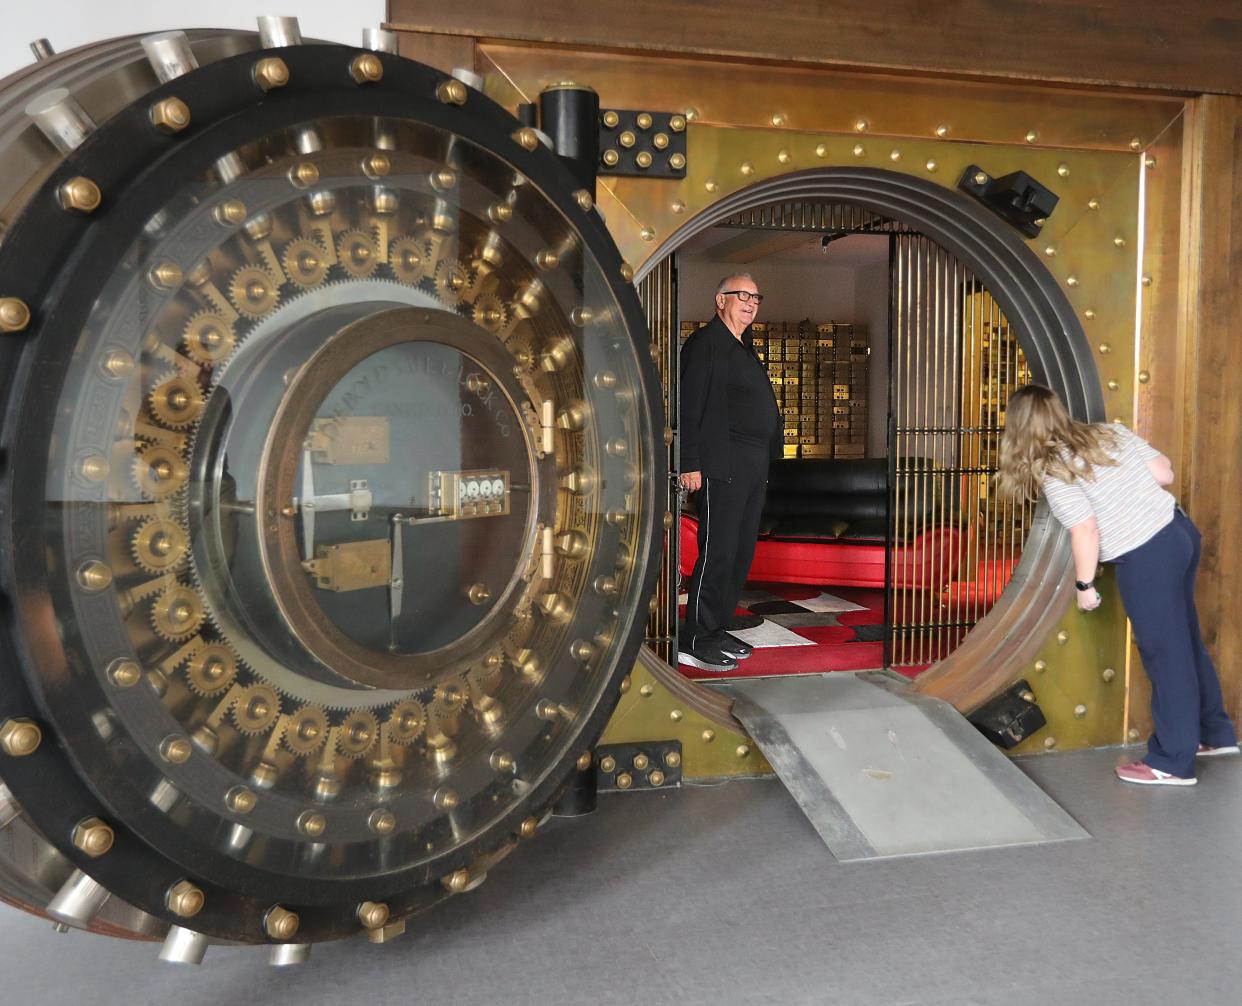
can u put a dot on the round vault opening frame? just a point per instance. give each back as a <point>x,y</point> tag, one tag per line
<point>994,652</point>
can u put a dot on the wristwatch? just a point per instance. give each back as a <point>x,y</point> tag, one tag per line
<point>1084,584</point>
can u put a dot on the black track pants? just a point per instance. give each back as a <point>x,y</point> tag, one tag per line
<point>729,512</point>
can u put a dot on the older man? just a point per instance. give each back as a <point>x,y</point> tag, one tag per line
<point>730,430</point>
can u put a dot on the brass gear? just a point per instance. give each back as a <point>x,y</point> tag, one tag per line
<point>357,254</point>
<point>176,402</point>
<point>159,545</point>
<point>452,281</point>
<point>405,722</point>
<point>208,337</point>
<point>306,731</point>
<point>407,258</point>
<point>177,613</point>
<point>211,670</point>
<point>489,313</point>
<point>159,472</point>
<point>253,291</point>
<point>256,709</point>
<point>358,734</point>
<point>305,262</point>
<point>451,694</point>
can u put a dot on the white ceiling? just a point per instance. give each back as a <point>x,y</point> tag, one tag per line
<point>744,246</point>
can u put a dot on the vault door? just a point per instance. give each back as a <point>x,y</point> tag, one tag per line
<point>953,544</point>
<point>658,294</point>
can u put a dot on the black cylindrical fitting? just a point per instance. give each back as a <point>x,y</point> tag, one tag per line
<point>569,114</point>
<point>578,798</point>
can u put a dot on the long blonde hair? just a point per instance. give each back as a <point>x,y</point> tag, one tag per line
<point>1041,440</point>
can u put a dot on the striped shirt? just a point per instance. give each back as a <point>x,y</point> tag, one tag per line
<point>1128,504</point>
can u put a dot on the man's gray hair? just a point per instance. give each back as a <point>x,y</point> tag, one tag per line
<point>727,282</point>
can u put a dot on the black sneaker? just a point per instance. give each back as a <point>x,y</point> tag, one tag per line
<point>707,656</point>
<point>732,646</point>
<point>747,621</point>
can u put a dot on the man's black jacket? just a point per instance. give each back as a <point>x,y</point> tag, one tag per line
<point>704,392</point>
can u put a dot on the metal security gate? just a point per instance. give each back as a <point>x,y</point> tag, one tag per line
<point>954,361</point>
<point>658,294</point>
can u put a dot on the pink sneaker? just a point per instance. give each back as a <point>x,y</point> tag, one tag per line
<point>1143,774</point>
<point>1209,752</point>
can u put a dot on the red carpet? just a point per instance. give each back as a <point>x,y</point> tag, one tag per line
<point>837,644</point>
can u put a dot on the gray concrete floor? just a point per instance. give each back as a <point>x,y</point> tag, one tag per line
<point>722,895</point>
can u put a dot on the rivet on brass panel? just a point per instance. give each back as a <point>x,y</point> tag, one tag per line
<point>271,72</point>
<point>742,751</point>
<point>1146,280</point>
<point>1031,136</point>
<point>1105,348</point>
<point>1136,144</point>
<point>678,206</point>
<point>647,234</point>
<point>708,735</point>
<point>80,195</point>
<point>1050,251</point>
<point>608,764</point>
<point>692,114</point>
<point>1063,170</point>
<point>367,69</point>
<point>94,576</point>
<point>1114,385</point>
<point>861,125</point>
<point>1050,743</point>
<point>711,185</point>
<point>1041,666</point>
<point>1062,637</point>
<point>625,684</point>
<point>1108,674</point>
<point>677,161</point>
<point>643,158</point>
<point>1071,280</point>
<point>1119,241</point>
<point>894,155</point>
<point>821,150</point>
<point>184,899</point>
<point>280,923</point>
<point>625,780</point>
<point>646,691</point>
<point>1133,734</point>
<point>1089,314</point>
<point>1080,711</point>
<point>611,119</point>
<point>627,139</point>
<point>931,165</point>
<point>1149,162</point>
<point>20,737</point>
<point>777,120</point>
<point>93,837</point>
<point>676,715</point>
<point>170,115</point>
<point>1093,204</point>
<point>176,750</point>
<point>859,150</point>
<point>942,130</point>
<point>1143,376</point>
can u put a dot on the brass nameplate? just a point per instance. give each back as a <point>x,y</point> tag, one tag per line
<point>349,440</point>
<point>353,565</point>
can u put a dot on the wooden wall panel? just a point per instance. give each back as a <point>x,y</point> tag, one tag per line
<point>1137,43</point>
<point>1213,307</point>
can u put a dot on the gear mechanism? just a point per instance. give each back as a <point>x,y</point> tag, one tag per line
<point>176,402</point>
<point>208,338</point>
<point>177,613</point>
<point>305,262</point>
<point>211,670</point>
<point>159,545</point>
<point>357,734</point>
<point>357,254</point>
<point>256,710</point>
<point>159,472</point>
<point>306,731</point>
<point>407,258</point>
<point>253,291</point>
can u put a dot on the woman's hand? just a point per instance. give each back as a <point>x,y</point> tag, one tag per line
<point>1089,599</point>
<point>691,481</point>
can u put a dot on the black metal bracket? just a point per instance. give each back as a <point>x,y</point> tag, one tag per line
<point>1016,198</point>
<point>642,144</point>
<point>649,765</point>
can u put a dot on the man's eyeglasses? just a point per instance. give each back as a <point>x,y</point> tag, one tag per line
<point>743,295</point>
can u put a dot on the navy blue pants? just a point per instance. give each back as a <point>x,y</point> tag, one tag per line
<point>729,512</point>
<point>1157,583</point>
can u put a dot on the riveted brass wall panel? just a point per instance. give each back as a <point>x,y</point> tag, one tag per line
<point>1089,148</point>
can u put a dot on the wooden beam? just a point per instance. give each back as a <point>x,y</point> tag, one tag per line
<point>1213,305</point>
<point>1191,48</point>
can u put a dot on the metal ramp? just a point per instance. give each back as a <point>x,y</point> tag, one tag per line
<point>882,771</point>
